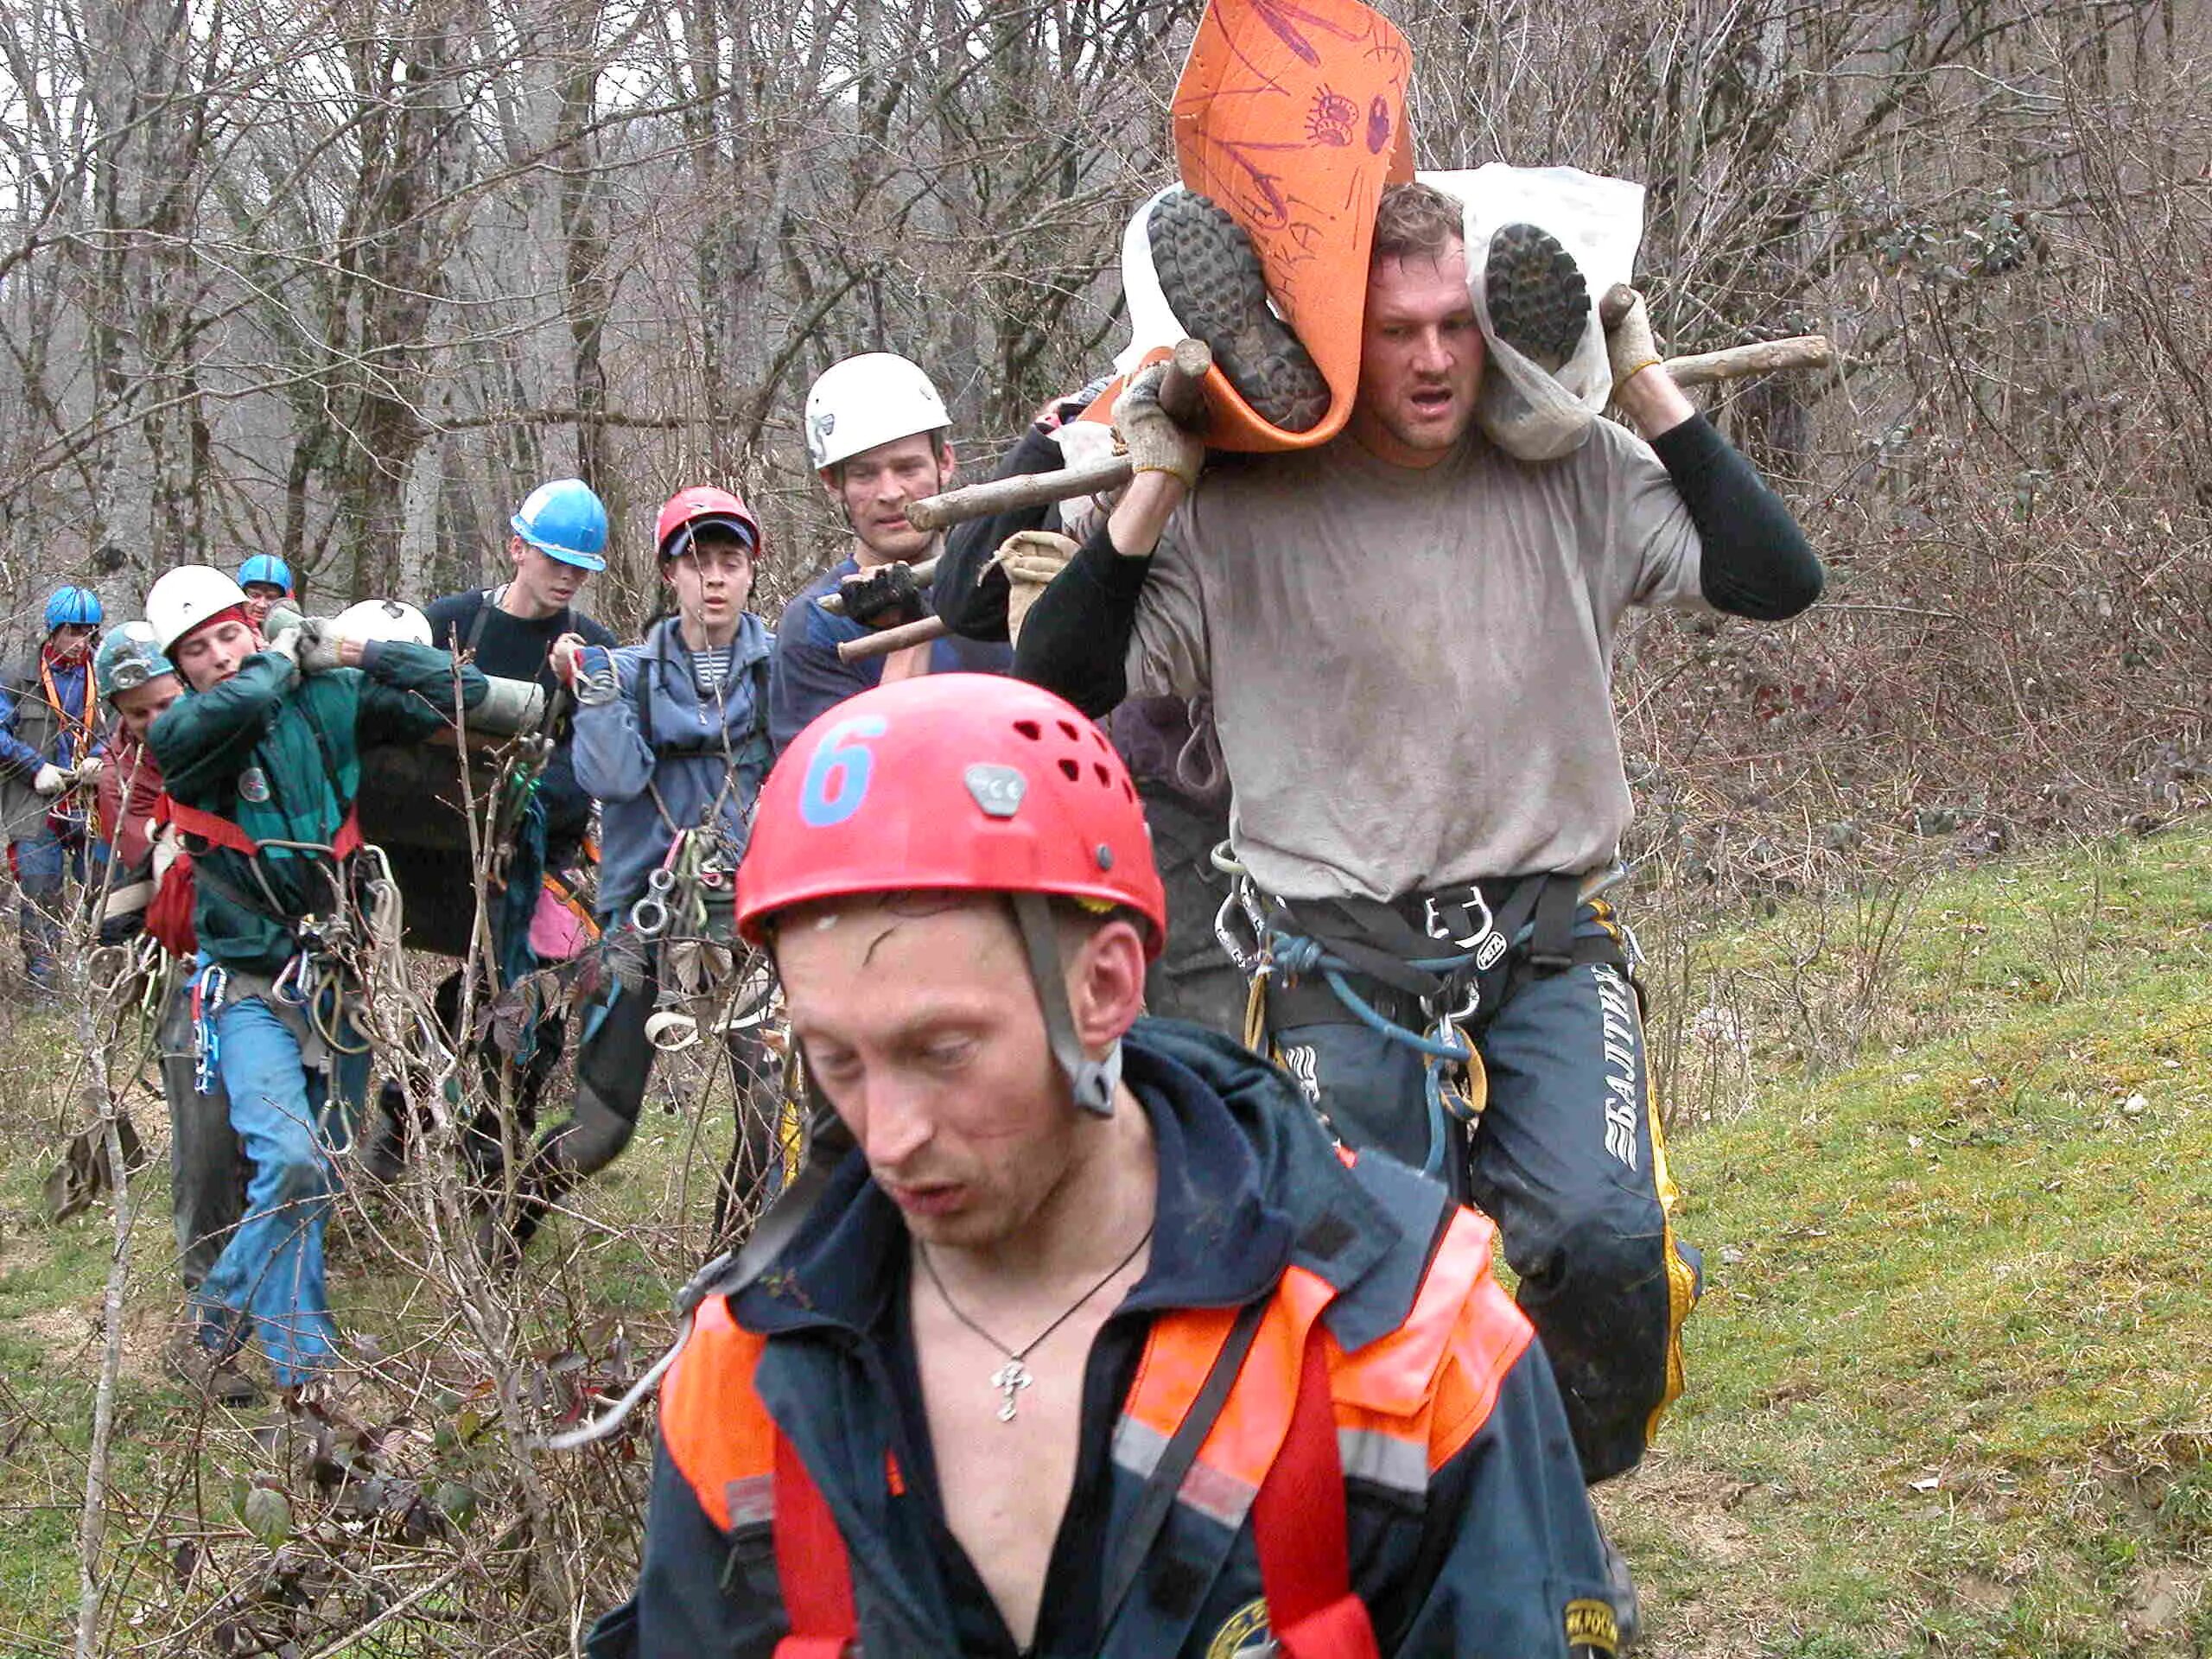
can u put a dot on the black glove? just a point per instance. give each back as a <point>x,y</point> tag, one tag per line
<point>884,597</point>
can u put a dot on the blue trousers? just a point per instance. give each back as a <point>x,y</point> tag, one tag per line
<point>1567,1160</point>
<point>44,863</point>
<point>269,1281</point>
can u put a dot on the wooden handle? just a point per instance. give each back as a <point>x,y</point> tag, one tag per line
<point>1182,394</point>
<point>1799,351</point>
<point>1024,489</point>
<point>835,603</point>
<point>884,641</point>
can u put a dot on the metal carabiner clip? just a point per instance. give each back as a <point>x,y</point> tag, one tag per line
<point>1433,920</point>
<point>649,917</point>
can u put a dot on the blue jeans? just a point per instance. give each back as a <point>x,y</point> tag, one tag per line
<point>43,863</point>
<point>269,1277</point>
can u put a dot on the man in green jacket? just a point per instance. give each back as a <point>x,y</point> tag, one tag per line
<point>261,760</point>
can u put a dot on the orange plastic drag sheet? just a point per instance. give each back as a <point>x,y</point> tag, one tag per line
<point>1291,115</point>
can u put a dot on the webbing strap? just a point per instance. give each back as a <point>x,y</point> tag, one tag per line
<point>1165,1480</point>
<point>222,832</point>
<point>1298,1525</point>
<point>811,1567</point>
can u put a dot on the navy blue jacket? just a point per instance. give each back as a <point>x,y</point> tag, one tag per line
<point>809,679</point>
<point>1483,1545</point>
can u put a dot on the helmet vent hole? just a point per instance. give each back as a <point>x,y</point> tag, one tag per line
<point>1128,793</point>
<point>1029,728</point>
<point>1071,771</point>
<point>1068,731</point>
<point>1105,778</point>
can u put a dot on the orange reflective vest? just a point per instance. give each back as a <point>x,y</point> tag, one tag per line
<point>1300,1415</point>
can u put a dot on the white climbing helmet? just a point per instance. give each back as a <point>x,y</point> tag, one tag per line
<point>184,598</point>
<point>383,618</point>
<point>873,398</point>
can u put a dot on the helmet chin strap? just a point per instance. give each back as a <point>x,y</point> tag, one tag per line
<point>1093,1081</point>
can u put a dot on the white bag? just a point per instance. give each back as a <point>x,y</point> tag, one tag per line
<point>1530,415</point>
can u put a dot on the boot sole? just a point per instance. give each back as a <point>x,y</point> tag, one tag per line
<point>1211,280</point>
<point>1539,303</point>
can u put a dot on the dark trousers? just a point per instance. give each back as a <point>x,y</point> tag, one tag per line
<point>1568,1160</point>
<point>207,1170</point>
<point>1191,979</point>
<point>614,1064</point>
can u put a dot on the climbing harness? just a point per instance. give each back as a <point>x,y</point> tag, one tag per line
<point>1459,964</point>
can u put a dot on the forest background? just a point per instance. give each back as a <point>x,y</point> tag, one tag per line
<point>342,282</point>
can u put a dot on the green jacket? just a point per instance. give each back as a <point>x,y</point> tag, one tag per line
<point>279,756</point>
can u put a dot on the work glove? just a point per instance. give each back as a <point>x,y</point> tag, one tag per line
<point>285,644</point>
<point>89,769</point>
<point>1630,347</point>
<point>1031,558</point>
<point>1155,443</point>
<point>318,646</point>
<point>884,597</point>
<point>50,779</point>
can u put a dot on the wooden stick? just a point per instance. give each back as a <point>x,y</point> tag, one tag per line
<point>1182,394</point>
<point>1731,362</point>
<point>1800,352</point>
<point>884,641</point>
<point>835,603</point>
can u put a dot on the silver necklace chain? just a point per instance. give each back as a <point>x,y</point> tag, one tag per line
<point>1015,1375</point>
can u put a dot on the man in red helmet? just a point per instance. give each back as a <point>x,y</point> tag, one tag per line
<point>671,739</point>
<point>1076,1335</point>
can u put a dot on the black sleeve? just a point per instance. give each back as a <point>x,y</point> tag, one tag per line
<point>1756,561</point>
<point>1075,639</point>
<point>974,610</point>
<point>451,617</point>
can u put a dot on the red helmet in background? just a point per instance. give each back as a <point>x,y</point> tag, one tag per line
<point>688,511</point>
<point>968,783</point>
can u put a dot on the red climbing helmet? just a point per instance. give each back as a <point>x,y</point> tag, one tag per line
<point>688,511</point>
<point>971,783</point>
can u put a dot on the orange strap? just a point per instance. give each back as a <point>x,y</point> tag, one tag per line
<point>79,728</point>
<point>811,1563</point>
<point>1298,1524</point>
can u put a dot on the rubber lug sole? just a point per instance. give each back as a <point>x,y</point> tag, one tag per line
<point>1539,304</point>
<point>1212,282</point>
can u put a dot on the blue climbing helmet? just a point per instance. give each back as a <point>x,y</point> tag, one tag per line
<point>266,567</point>
<point>73,608</point>
<point>128,659</point>
<point>565,520</point>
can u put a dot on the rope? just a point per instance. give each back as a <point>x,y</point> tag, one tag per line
<point>1295,955</point>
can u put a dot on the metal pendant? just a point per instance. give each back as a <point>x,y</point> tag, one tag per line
<point>1009,1379</point>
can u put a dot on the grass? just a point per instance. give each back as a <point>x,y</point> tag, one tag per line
<point>1950,1386</point>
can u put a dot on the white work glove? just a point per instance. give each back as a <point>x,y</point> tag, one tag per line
<point>1630,347</point>
<point>89,769</point>
<point>317,647</point>
<point>50,779</point>
<point>284,644</point>
<point>1154,442</point>
<point>1031,558</point>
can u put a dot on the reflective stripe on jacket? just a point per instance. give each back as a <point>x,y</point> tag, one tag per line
<point>1468,1528</point>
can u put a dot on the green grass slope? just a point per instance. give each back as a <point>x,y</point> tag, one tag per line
<point>1951,1383</point>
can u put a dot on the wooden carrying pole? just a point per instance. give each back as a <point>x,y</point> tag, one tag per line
<point>1180,395</point>
<point>1798,353</point>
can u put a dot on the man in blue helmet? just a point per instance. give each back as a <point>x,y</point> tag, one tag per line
<point>265,579</point>
<point>49,720</point>
<point>558,543</point>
